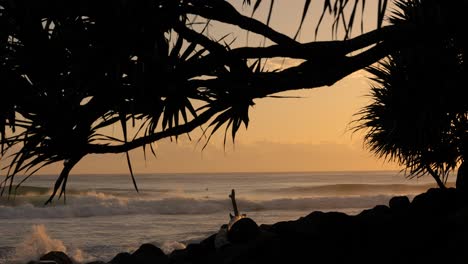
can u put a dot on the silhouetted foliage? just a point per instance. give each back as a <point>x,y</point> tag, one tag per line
<point>419,113</point>
<point>69,69</point>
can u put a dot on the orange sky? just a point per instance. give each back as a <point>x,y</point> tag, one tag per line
<point>306,134</point>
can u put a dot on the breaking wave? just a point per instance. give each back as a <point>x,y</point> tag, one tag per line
<point>90,204</point>
<point>350,189</point>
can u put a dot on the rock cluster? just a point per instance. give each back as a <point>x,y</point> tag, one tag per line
<point>432,228</point>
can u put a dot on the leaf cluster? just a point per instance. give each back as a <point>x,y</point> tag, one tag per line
<point>418,115</point>
<point>71,69</point>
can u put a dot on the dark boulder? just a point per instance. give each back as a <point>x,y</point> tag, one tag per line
<point>435,202</point>
<point>243,231</point>
<point>58,256</point>
<point>315,224</point>
<point>194,253</point>
<point>209,242</point>
<point>329,234</point>
<point>399,204</point>
<point>178,256</point>
<point>324,220</point>
<point>378,211</point>
<point>123,258</point>
<point>149,254</point>
<point>266,247</point>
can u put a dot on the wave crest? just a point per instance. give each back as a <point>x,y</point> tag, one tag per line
<point>92,204</point>
<point>350,189</point>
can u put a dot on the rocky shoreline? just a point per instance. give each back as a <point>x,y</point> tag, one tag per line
<point>432,228</point>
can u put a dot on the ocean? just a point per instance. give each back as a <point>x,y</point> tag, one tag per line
<point>104,215</point>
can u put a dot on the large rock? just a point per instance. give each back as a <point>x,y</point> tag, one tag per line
<point>209,242</point>
<point>399,204</point>
<point>243,231</point>
<point>317,237</point>
<point>435,202</point>
<point>265,247</point>
<point>58,256</point>
<point>221,238</point>
<point>123,258</point>
<point>316,224</point>
<point>149,254</point>
<point>379,211</point>
<point>194,253</point>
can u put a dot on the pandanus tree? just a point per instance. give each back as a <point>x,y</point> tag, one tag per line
<point>69,69</point>
<point>419,113</point>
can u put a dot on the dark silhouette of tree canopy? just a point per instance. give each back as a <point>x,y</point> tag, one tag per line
<point>71,68</point>
<point>419,113</point>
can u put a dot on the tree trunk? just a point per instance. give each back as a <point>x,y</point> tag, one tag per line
<point>462,183</point>
<point>436,178</point>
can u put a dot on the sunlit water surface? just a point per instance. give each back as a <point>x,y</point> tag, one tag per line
<point>104,215</point>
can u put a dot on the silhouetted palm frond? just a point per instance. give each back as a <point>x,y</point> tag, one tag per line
<point>414,118</point>
<point>69,69</point>
<point>232,117</point>
<point>343,12</point>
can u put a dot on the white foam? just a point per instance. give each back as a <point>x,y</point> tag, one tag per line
<point>92,204</point>
<point>38,243</point>
<point>169,246</point>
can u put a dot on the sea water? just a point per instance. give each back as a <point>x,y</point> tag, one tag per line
<point>104,215</point>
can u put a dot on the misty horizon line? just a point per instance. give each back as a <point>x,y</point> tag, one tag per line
<point>232,172</point>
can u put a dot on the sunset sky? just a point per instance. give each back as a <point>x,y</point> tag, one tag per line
<point>311,133</point>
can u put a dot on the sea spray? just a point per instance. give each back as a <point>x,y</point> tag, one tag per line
<point>78,256</point>
<point>169,246</point>
<point>38,243</point>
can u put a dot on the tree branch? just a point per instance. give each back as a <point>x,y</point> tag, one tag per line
<point>315,49</point>
<point>308,75</point>
<point>322,50</point>
<point>329,65</point>
<point>258,86</point>
<point>195,37</point>
<point>141,141</point>
<point>222,11</point>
